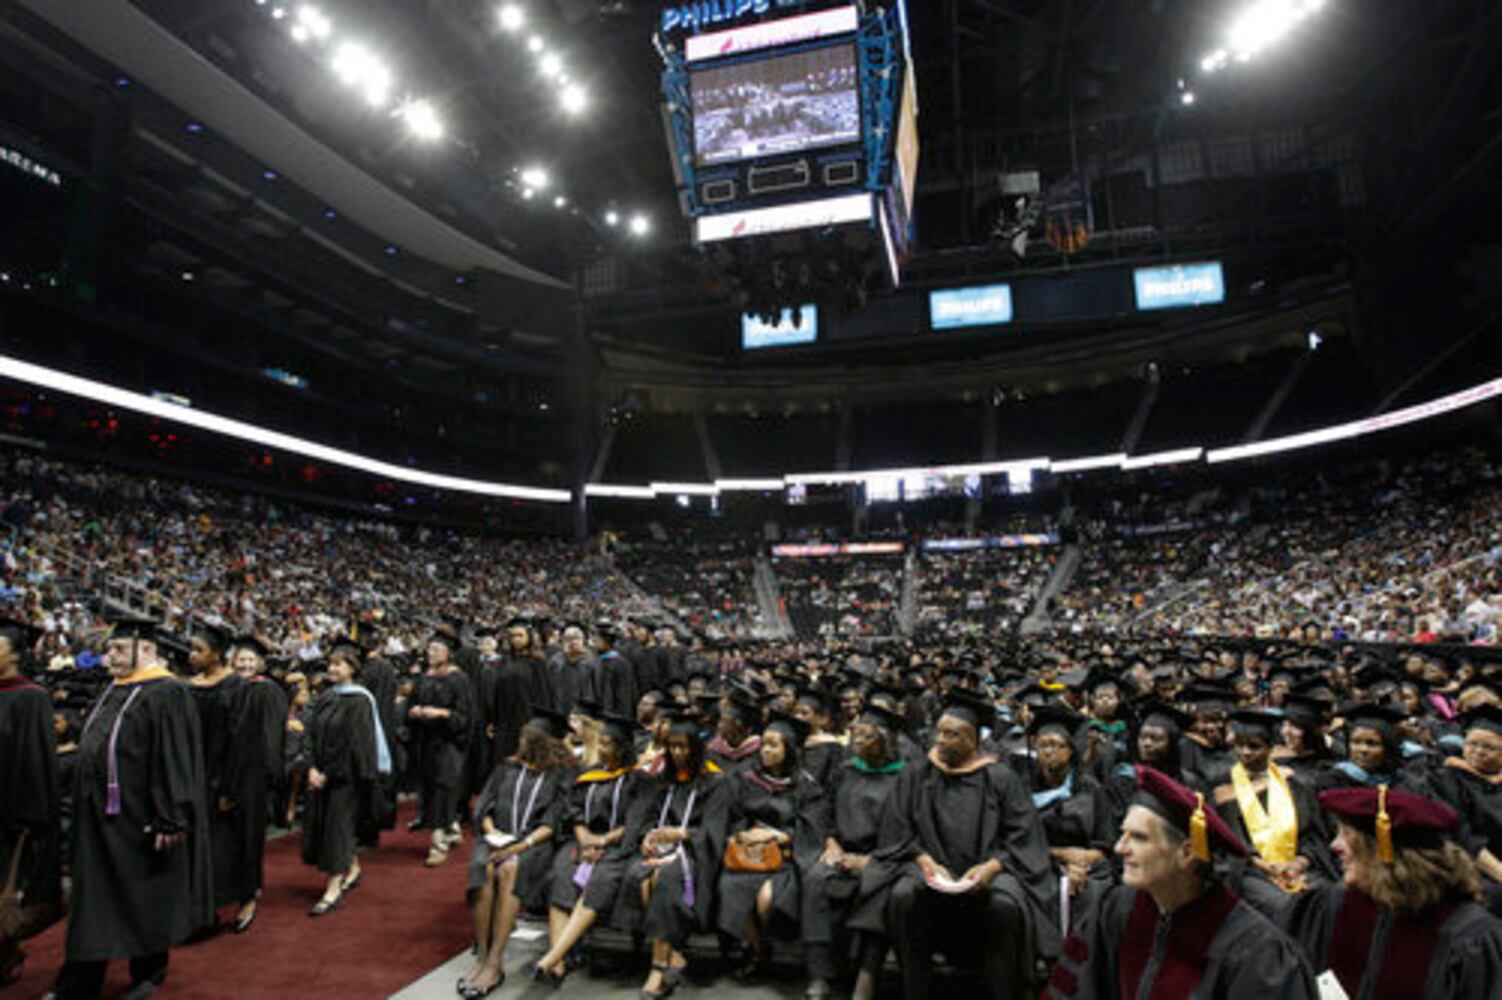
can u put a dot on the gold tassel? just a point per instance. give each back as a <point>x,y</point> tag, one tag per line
<point>1384,828</point>
<point>1199,833</point>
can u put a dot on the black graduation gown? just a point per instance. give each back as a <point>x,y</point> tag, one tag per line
<point>342,744</point>
<point>600,802</point>
<point>520,801</point>
<point>1204,769</point>
<point>1479,803</point>
<point>684,898</point>
<point>858,803</point>
<point>731,759</point>
<point>129,899</point>
<point>379,812</point>
<point>1215,946</point>
<point>800,810</point>
<point>1086,819</point>
<point>30,798</point>
<point>506,701</point>
<point>219,716</point>
<point>616,680</point>
<point>961,820</point>
<point>1315,835</point>
<point>823,761</point>
<point>253,771</point>
<point>1451,952</point>
<point>573,681</point>
<point>439,745</point>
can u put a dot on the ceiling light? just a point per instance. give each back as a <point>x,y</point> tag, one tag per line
<point>551,64</point>
<point>422,120</point>
<point>612,218</point>
<point>187,275</point>
<point>560,202</point>
<point>512,17</point>
<point>300,33</point>
<point>356,66</point>
<point>573,98</point>
<point>527,194</point>
<point>1187,97</point>
<point>640,225</point>
<point>315,22</point>
<point>535,177</point>
<point>277,13</point>
<point>534,44</point>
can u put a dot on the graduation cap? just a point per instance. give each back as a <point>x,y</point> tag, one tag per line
<point>1054,717</point>
<point>135,627</point>
<point>1488,717</point>
<point>254,643</point>
<point>1371,715</point>
<point>445,636</point>
<point>24,635</point>
<point>816,698</point>
<point>174,647</point>
<point>880,717</point>
<point>794,729</point>
<point>216,637</point>
<point>1185,811</point>
<point>1303,707</point>
<point>607,629</point>
<point>589,708</point>
<point>1256,722</point>
<point>1162,715</point>
<point>970,707</point>
<point>487,632</point>
<point>1209,697</point>
<point>549,721</point>
<point>620,729</point>
<point>1392,816</point>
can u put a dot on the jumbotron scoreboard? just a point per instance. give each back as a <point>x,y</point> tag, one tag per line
<point>793,129</point>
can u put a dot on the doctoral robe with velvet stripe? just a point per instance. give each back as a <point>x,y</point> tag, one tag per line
<point>1215,946</point>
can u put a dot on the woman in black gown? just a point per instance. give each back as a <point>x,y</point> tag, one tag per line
<point>516,814</point>
<point>679,835</point>
<point>858,800</point>
<point>590,863</point>
<point>1405,920</point>
<point>772,802</point>
<point>824,750</point>
<point>1155,744</point>
<point>1472,783</point>
<point>346,751</point>
<point>1373,752</point>
<point>1075,811</point>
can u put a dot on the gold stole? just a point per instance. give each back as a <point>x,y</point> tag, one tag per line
<point>1275,829</point>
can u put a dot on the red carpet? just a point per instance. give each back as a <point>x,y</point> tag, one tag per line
<point>400,923</point>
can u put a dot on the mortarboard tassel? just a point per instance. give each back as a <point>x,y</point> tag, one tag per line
<point>1199,834</point>
<point>1384,827</point>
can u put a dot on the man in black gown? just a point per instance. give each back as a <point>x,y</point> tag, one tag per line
<point>377,810</point>
<point>966,862</point>
<point>141,879</point>
<point>30,800</point>
<point>1172,930</point>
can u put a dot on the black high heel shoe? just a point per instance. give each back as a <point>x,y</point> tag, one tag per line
<point>326,906</point>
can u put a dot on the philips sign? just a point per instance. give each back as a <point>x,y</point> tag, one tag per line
<point>707,13</point>
<point>1180,285</point>
<point>962,307</point>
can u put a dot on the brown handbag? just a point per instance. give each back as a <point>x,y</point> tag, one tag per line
<point>758,859</point>
<point>13,916</point>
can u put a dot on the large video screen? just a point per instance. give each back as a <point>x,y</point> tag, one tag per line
<point>786,104</point>
<point>794,326</point>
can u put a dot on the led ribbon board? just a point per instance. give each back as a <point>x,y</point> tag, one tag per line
<point>1180,285</point>
<point>845,209</point>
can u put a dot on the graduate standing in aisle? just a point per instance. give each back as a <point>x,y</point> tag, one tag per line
<point>1171,929</point>
<point>218,693</point>
<point>441,716</point>
<point>141,873</point>
<point>378,809</point>
<point>30,803</point>
<point>348,752</point>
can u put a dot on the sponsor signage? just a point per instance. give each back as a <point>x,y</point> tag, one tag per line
<point>1179,285</point>
<point>962,307</point>
<point>767,34</point>
<point>794,326</point>
<point>819,551</point>
<point>999,542</point>
<point>784,218</point>
<point>30,167</point>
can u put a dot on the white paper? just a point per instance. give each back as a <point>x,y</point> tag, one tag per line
<point>1330,988</point>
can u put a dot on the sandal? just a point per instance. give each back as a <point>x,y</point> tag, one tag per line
<point>548,977</point>
<point>472,992</point>
<point>672,978</point>
<point>753,965</point>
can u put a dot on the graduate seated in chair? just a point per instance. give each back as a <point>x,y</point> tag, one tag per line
<point>1407,920</point>
<point>1171,929</point>
<point>965,862</point>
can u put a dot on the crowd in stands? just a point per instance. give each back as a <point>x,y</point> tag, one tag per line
<point>708,587</point>
<point>982,590</point>
<point>842,596</point>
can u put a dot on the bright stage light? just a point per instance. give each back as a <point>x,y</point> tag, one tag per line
<point>535,177</point>
<point>277,13</point>
<point>573,98</point>
<point>527,194</point>
<point>551,64</point>
<point>314,22</point>
<point>512,17</point>
<point>612,218</point>
<point>357,67</point>
<point>1260,25</point>
<point>560,202</point>
<point>640,225</point>
<point>422,120</point>
<point>534,44</point>
<point>1186,98</point>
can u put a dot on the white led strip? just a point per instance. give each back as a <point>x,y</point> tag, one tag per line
<point>108,395</point>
